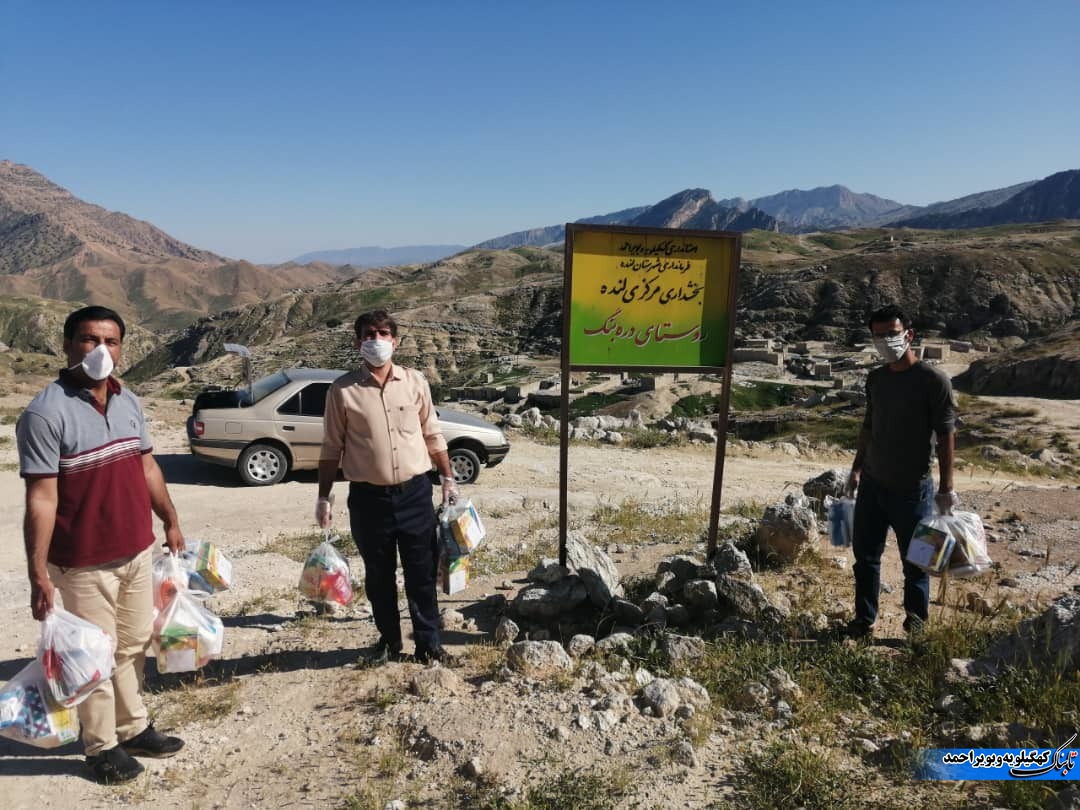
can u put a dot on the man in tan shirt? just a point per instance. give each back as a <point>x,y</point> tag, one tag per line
<point>381,429</point>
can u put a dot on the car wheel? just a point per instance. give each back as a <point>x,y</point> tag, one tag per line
<point>465,464</point>
<point>262,464</point>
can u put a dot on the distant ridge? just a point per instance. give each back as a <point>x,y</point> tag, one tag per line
<point>824,208</point>
<point>555,233</point>
<point>1054,197</point>
<point>380,256</point>
<point>693,208</point>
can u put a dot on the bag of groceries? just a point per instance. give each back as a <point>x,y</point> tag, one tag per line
<point>75,655</point>
<point>29,714</point>
<point>186,635</point>
<point>325,577</point>
<point>969,557</point>
<point>932,544</point>
<point>465,525</point>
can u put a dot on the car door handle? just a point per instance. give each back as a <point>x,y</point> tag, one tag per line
<point>287,427</point>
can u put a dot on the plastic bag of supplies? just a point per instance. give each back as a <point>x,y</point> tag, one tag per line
<point>465,525</point>
<point>75,655</point>
<point>969,557</point>
<point>29,714</point>
<point>325,577</point>
<point>932,544</point>
<point>186,635</point>
<point>841,520</point>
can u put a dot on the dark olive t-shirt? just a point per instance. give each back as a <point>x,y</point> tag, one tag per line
<point>903,411</point>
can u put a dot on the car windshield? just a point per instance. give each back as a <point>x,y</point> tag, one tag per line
<point>267,385</point>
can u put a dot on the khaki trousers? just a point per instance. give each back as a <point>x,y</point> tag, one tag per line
<point>117,597</point>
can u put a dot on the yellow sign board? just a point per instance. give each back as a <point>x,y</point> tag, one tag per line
<point>658,298</point>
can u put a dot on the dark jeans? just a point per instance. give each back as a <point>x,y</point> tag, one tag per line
<point>386,521</point>
<point>876,509</point>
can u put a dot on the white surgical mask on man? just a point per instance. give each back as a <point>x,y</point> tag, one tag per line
<point>98,364</point>
<point>376,352</point>
<point>891,348</point>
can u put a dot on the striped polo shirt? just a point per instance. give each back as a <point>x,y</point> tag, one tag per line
<point>103,507</point>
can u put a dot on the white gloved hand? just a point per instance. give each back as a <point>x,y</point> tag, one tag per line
<point>450,492</point>
<point>946,502</point>
<point>324,512</point>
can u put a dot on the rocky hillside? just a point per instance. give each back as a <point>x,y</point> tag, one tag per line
<point>54,245</point>
<point>456,313</point>
<point>1008,283</point>
<point>36,325</point>
<point>1045,367</point>
<point>1055,197</point>
<point>998,283</point>
<point>41,223</point>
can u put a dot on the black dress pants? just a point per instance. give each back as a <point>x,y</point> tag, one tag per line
<point>387,521</point>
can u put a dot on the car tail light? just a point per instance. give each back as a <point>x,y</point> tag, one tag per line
<point>199,428</point>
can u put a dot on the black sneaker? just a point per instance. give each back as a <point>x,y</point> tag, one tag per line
<point>383,652</point>
<point>113,766</point>
<point>914,625</point>
<point>152,743</point>
<point>439,656</point>
<point>859,629</point>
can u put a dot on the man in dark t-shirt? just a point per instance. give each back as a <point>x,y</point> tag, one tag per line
<point>908,404</point>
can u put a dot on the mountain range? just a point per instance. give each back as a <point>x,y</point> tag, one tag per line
<point>834,208</point>
<point>58,247</point>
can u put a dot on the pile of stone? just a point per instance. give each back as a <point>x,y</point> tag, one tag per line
<point>610,429</point>
<point>573,601</point>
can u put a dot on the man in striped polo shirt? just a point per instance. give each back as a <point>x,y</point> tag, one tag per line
<point>91,481</point>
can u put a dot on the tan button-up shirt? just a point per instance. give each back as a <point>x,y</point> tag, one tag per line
<point>381,434</point>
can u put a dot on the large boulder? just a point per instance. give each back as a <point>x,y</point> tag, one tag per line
<point>595,568</point>
<point>831,483</point>
<point>547,571</point>
<point>786,531</point>
<point>540,602</point>
<point>746,600</point>
<point>1049,640</point>
<point>731,560</point>
<point>538,659</point>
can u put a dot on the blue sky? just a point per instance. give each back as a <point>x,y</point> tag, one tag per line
<point>263,130</point>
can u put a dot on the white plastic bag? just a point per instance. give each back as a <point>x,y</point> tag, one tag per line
<point>969,557</point>
<point>466,526</point>
<point>841,520</point>
<point>75,655</point>
<point>168,576</point>
<point>325,577</point>
<point>29,714</point>
<point>186,635</point>
<point>209,569</point>
<point>932,544</point>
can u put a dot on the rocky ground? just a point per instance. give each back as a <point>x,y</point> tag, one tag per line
<point>287,719</point>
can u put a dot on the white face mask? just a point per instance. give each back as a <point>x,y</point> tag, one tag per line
<point>376,352</point>
<point>98,364</point>
<point>892,348</point>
